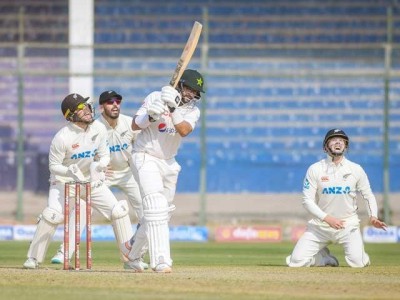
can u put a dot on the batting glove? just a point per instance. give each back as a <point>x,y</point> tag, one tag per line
<point>171,97</point>
<point>156,109</point>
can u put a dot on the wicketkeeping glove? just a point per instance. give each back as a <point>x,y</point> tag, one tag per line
<point>75,173</point>
<point>97,174</point>
<point>171,97</point>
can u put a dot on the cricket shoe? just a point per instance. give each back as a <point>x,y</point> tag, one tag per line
<point>31,263</point>
<point>329,259</point>
<point>135,265</point>
<point>162,268</point>
<point>58,258</point>
<point>143,264</point>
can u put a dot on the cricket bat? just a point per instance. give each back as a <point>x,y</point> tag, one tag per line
<point>187,53</point>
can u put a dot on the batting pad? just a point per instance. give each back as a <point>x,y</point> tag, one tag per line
<point>121,224</point>
<point>156,216</point>
<point>140,244</point>
<point>47,224</point>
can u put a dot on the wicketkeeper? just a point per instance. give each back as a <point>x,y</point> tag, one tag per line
<point>118,173</point>
<point>71,158</point>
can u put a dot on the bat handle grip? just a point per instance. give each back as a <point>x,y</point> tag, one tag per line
<point>154,118</point>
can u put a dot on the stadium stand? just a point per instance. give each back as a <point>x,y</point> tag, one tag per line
<point>279,75</point>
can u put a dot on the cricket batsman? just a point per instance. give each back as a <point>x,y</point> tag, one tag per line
<point>165,118</point>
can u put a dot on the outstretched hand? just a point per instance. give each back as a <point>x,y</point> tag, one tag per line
<point>377,223</point>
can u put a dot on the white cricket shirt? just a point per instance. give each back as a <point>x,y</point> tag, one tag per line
<point>331,189</point>
<point>160,138</point>
<point>120,141</point>
<point>74,145</point>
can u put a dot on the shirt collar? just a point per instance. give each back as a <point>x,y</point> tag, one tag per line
<point>329,161</point>
<point>105,122</point>
<point>78,128</point>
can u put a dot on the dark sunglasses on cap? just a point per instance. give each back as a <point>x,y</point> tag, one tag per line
<point>113,100</point>
<point>80,106</point>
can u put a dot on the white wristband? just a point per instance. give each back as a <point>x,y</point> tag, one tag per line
<point>176,117</point>
<point>142,121</point>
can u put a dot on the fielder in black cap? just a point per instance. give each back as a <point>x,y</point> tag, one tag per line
<point>109,95</point>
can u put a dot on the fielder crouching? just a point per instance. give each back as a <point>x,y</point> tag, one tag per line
<point>118,174</point>
<point>71,158</point>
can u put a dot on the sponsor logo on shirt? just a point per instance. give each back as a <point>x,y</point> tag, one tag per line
<point>337,190</point>
<point>324,178</point>
<point>162,127</point>
<point>123,133</point>
<point>84,154</point>
<point>75,146</point>
<point>118,148</point>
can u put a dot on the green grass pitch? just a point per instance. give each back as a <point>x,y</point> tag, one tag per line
<point>202,271</point>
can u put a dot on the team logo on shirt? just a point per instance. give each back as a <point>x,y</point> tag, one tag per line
<point>306,184</point>
<point>75,146</point>
<point>324,178</point>
<point>345,176</point>
<point>337,190</point>
<point>94,137</point>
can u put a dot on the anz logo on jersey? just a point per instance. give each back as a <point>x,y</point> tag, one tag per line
<point>84,154</point>
<point>118,148</point>
<point>337,190</point>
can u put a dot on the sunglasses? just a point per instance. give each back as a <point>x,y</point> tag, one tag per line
<point>80,106</point>
<point>113,100</point>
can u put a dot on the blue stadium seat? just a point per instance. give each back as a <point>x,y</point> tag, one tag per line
<point>262,131</point>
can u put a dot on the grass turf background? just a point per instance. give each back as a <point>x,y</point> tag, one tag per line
<point>202,271</point>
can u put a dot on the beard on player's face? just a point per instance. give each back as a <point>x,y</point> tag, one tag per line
<point>111,112</point>
<point>189,95</point>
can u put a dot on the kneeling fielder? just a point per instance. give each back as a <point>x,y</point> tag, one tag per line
<point>329,195</point>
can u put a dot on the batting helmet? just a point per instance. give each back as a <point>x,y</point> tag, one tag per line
<point>335,132</point>
<point>70,104</point>
<point>193,79</point>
